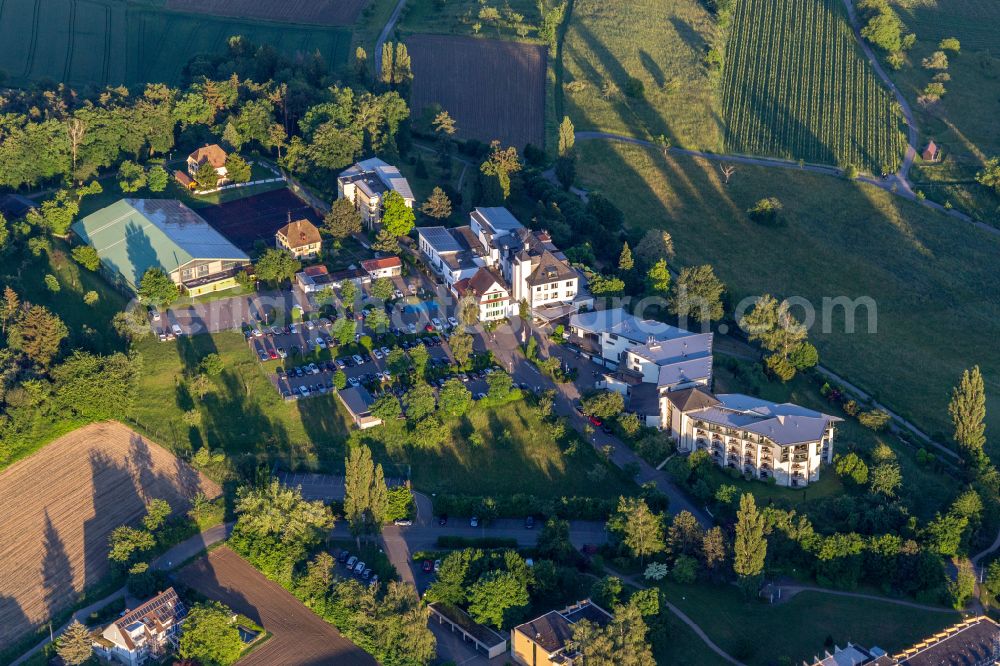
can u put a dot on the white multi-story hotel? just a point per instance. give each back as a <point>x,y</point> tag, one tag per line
<point>755,436</point>
<point>525,263</point>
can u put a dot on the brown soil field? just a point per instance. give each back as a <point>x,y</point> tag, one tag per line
<point>493,89</point>
<point>58,507</point>
<point>311,12</point>
<point>298,636</point>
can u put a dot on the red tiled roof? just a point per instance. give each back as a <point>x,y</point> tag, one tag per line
<point>313,271</point>
<point>300,233</point>
<point>213,154</point>
<point>378,264</point>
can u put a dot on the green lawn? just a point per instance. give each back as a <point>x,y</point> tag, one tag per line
<point>933,278</point>
<point>241,414</point>
<point>518,455</point>
<point>683,646</point>
<point>761,634</point>
<point>661,43</point>
<point>109,43</point>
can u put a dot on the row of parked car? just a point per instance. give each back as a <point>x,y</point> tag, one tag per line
<point>355,566</point>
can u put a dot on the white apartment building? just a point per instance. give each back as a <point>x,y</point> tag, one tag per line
<point>489,291</point>
<point>145,634</point>
<point>366,183</point>
<point>454,254</point>
<point>757,437</point>
<point>648,359</point>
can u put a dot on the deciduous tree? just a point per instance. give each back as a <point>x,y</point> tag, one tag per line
<point>698,294</point>
<point>210,635</point>
<point>968,412</point>
<point>277,266</point>
<point>156,288</point>
<point>640,529</point>
<point>496,596</point>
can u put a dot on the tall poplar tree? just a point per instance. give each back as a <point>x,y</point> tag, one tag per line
<point>750,547</point>
<point>968,410</point>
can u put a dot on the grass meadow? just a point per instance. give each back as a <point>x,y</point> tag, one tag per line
<point>934,279</point>
<point>104,42</point>
<point>662,44</point>
<point>795,631</point>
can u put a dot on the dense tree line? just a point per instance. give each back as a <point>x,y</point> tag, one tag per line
<point>280,534</point>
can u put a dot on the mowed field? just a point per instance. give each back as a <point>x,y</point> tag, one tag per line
<point>299,637</point>
<point>662,43</point>
<point>798,87</point>
<point>493,89</point>
<point>60,505</point>
<point>935,281</point>
<point>257,217</point>
<point>975,22</point>
<point>308,12</point>
<point>108,42</point>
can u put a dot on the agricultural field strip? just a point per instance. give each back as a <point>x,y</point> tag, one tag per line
<point>822,122</point>
<point>61,504</point>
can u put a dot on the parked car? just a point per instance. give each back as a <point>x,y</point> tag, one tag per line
<point>310,324</point>
<point>320,342</point>
<point>313,369</point>
<point>340,363</point>
<point>343,556</point>
<point>427,566</point>
<point>385,351</point>
<point>263,355</point>
<point>367,573</point>
<point>412,328</point>
<point>437,566</point>
<point>377,353</point>
<point>374,580</point>
<point>176,329</point>
<point>436,322</point>
<point>359,567</point>
<point>304,390</point>
<point>272,354</point>
<point>397,294</point>
<point>353,381</point>
<point>358,360</point>
<point>256,332</point>
<point>474,521</point>
<point>453,321</point>
<point>293,329</point>
<point>594,421</point>
<point>352,560</point>
<point>402,522</point>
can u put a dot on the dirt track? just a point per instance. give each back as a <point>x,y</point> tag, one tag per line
<point>299,636</point>
<point>58,507</point>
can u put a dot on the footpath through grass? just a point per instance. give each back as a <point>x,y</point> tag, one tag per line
<point>933,279</point>
<point>759,634</point>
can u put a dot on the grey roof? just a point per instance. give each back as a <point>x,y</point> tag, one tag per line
<point>440,239</point>
<point>784,423</point>
<point>644,399</point>
<point>390,176</point>
<point>664,352</point>
<point>692,399</point>
<point>497,220</point>
<point>357,399</point>
<point>133,235</point>
<point>619,322</point>
<point>682,372</point>
<point>971,642</point>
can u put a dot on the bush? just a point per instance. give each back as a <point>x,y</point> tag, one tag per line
<point>87,257</point>
<point>520,505</point>
<point>875,419</point>
<point>765,211</point>
<point>634,88</point>
<point>91,297</point>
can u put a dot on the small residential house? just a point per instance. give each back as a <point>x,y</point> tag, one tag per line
<point>548,640</point>
<point>931,153</point>
<point>214,155</point>
<point>358,402</point>
<point>754,436</point>
<point>145,634</point>
<point>366,183</point>
<point>489,291</point>
<point>301,238</point>
<point>134,235</point>
<point>389,267</point>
